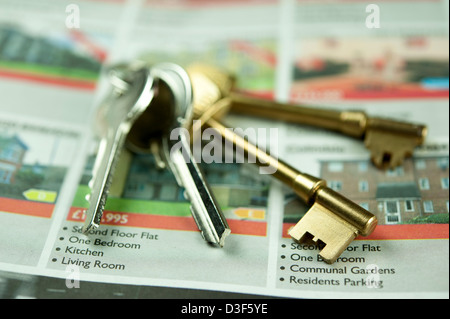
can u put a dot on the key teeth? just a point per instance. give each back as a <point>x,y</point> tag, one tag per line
<point>308,238</point>
<point>87,229</point>
<point>327,252</point>
<point>318,242</point>
<point>224,235</point>
<point>389,150</point>
<point>387,160</point>
<point>98,212</point>
<point>221,237</point>
<point>324,229</point>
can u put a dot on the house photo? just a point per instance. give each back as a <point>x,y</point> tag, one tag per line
<point>409,193</point>
<point>12,152</point>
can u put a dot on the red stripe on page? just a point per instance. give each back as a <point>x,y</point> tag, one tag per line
<point>396,232</point>
<point>257,53</point>
<point>438,94</point>
<point>395,95</point>
<point>98,52</point>
<point>208,3</point>
<point>26,207</point>
<point>413,231</point>
<point>185,223</point>
<point>247,227</point>
<point>46,79</point>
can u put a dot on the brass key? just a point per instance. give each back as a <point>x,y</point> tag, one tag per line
<point>332,222</point>
<point>389,141</point>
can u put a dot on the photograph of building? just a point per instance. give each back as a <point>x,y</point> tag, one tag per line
<point>12,152</point>
<point>234,185</point>
<point>24,52</point>
<point>21,171</point>
<point>381,66</point>
<point>416,192</point>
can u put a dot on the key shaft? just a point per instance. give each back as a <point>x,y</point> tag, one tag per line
<point>389,141</point>
<point>351,123</point>
<point>343,218</point>
<point>109,151</point>
<point>204,207</point>
<point>117,114</point>
<point>309,188</point>
<point>332,222</point>
<point>171,111</point>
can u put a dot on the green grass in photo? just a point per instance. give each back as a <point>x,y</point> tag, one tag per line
<point>134,205</point>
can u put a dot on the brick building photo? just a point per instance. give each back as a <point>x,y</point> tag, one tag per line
<point>416,192</point>
<point>12,151</point>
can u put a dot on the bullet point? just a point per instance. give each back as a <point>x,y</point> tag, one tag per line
<point>61,238</point>
<point>54,259</point>
<point>282,268</point>
<point>58,249</point>
<point>281,279</point>
<point>283,256</point>
<point>283,246</point>
<point>64,228</point>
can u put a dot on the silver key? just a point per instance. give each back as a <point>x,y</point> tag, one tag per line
<point>172,109</point>
<point>128,99</point>
<point>204,208</point>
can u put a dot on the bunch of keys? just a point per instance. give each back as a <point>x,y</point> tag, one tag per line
<point>145,104</point>
<point>332,222</point>
<point>389,141</point>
